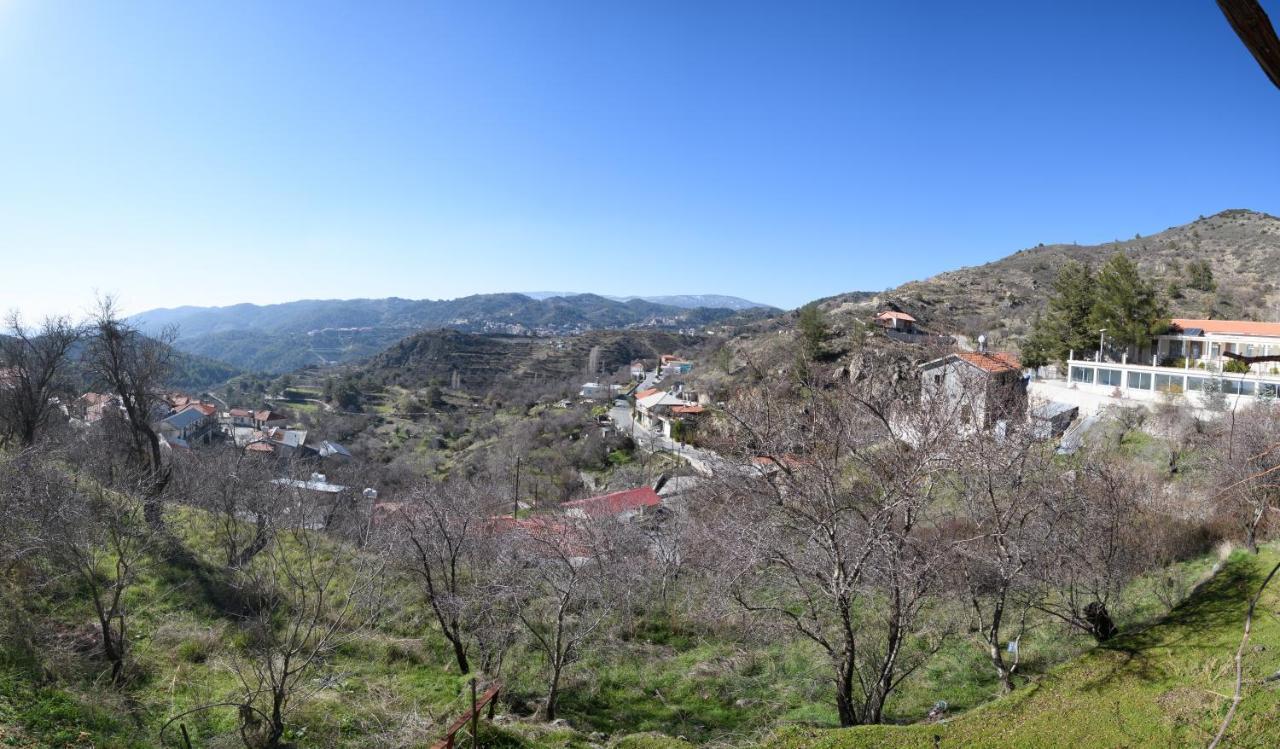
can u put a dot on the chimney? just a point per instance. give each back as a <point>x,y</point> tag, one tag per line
<point>982,343</point>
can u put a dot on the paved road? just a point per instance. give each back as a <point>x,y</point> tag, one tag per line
<point>704,461</point>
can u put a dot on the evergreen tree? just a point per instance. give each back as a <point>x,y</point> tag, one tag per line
<point>1065,324</point>
<point>1200,276</point>
<point>1126,305</point>
<point>814,329</point>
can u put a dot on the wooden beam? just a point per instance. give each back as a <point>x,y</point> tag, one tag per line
<point>1254,29</point>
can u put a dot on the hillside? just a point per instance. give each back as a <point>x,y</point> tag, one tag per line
<point>281,337</point>
<point>1002,297</point>
<point>1165,686</point>
<point>482,361</point>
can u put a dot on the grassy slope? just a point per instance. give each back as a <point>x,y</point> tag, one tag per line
<point>1166,686</point>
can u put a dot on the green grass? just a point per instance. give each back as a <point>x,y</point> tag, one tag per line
<point>1166,685</point>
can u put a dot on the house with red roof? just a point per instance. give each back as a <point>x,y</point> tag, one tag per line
<point>978,389</point>
<point>896,320</point>
<point>622,505</point>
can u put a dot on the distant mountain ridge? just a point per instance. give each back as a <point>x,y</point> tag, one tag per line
<point>280,337</point>
<point>685,301</point>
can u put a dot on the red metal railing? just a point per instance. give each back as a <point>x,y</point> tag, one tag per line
<point>472,716</point>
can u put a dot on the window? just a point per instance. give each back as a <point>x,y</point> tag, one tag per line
<point>1082,374</point>
<point>1195,384</point>
<point>1175,349</point>
<point>1169,383</point>
<point>1140,380</point>
<point>1246,388</point>
<point>1197,349</point>
<point>1109,377</point>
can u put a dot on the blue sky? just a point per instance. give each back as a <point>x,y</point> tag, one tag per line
<point>220,152</point>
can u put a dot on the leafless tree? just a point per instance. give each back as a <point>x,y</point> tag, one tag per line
<point>240,501</point>
<point>447,545</point>
<point>33,371</point>
<point>557,586</point>
<point>311,593</point>
<point>1247,468</point>
<point>1000,484</point>
<point>100,538</point>
<point>1097,543</point>
<point>830,527</point>
<point>134,367</point>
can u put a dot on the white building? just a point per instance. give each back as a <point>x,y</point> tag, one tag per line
<point>1195,356</point>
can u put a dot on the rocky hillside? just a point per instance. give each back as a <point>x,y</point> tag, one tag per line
<point>1001,298</point>
<point>482,361</point>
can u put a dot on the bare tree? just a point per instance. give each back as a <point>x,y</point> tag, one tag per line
<point>311,594</point>
<point>239,499</point>
<point>33,369</point>
<point>1000,486</point>
<point>829,528</point>
<point>99,537</point>
<point>1247,468</point>
<point>1096,545</point>
<point>448,548</point>
<point>557,585</point>
<point>134,367</point>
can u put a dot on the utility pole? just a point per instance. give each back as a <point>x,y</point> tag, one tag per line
<point>515,500</point>
<point>1102,338</point>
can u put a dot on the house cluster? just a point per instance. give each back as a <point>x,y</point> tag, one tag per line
<point>667,412</point>
<point>185,423</point>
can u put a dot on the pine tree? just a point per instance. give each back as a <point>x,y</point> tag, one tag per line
<point>1126,305</point>
<point>1065,324</point>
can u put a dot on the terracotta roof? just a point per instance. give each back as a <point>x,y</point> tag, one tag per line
<point>208,409</point>
<point>266,415</point>
<point>260,447</point>
<point>646,393</point>
<point>991,362</point>
<point>616,503</point>
<point>891,315</point>
<point>687,410</point>
<point>241,412</point>
<point>1231,327</point>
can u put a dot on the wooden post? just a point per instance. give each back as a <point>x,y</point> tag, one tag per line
<point>475,716</point>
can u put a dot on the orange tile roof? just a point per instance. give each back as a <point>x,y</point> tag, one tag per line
<point>687,409</point>
<point>891,315</point>
<point>991,362</point>
<point>1230,327</point>
<point>646,393</point>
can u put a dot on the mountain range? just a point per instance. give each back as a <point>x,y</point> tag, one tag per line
<point>281,337</point>
<point>686,301</point>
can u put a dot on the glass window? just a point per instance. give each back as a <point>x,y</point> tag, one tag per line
<point>1195,384</point>
<point>1268,390</point>
<point>1082,374</point>
<point>1246,388</point>
<point>1169,383</point>
<point>1109,377</point>
<point>1140,380</point>
<point>1175,348</point>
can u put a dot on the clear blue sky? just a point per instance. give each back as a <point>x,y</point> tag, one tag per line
<point>212,153</point>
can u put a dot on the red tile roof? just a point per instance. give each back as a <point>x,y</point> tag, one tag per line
<point>687,409</point>
<point>891,315</point>
<point>241,412</point>
<point>1230,327</point>
<point>646,393</point>
<point>991,362</point>
<point>616,503</point>
<point>269,416</point>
